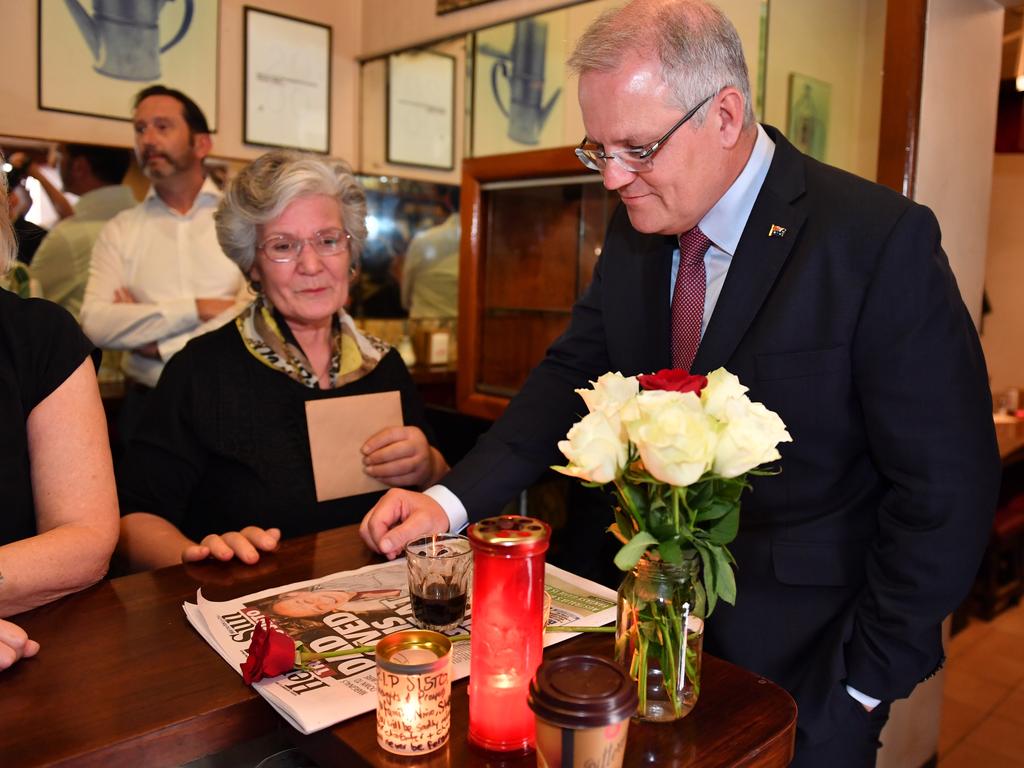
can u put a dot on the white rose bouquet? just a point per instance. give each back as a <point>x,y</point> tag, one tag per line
<point>677,450</point>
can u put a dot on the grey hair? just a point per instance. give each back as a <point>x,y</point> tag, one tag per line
<point>272,182</point>
<point>8,245</point>
<point>698,47</point>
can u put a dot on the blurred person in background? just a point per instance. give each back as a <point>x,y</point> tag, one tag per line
<point>61,265</point>
<point>157,277</point>
<point>430,272</point>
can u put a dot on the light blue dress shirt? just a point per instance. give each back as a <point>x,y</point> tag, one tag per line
<point>725,222</point>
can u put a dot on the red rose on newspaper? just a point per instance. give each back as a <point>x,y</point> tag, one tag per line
<point>673,380</point>
<point>271,653</point>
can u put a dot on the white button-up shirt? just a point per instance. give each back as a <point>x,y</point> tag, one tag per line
<point>166,260</point>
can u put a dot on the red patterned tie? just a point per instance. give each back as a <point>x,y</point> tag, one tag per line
<point>688,298</point>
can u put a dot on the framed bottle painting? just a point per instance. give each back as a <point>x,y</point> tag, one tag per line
<point>809,115</point>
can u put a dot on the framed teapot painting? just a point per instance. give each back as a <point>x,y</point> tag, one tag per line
<point>518,85</point>
<point>95,55</point>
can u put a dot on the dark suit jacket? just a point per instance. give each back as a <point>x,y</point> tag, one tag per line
<point>851,327</point>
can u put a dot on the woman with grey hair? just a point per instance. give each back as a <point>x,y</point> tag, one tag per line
<point>221,465</point>
<point>59,520</point>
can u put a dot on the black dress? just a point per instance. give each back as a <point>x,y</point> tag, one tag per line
<point>223,443</point>
<point>40,346</point>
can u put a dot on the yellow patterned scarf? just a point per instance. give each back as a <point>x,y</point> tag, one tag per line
<point>355,353</point>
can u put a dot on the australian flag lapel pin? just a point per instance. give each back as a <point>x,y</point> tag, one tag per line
<point>777,231</point>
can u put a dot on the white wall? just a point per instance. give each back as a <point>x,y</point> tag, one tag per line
<point>957,131</point>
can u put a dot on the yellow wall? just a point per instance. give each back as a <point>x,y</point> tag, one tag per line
<point>373,115</point>
<point>361,30</point>
<point>412,23</point>
<point>21,117</point>
<point>1004,275</point>
<point>839,42</point>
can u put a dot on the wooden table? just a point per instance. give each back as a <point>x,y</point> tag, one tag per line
<point>123,680</point>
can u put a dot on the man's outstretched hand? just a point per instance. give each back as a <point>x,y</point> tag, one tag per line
<point>398,518</point>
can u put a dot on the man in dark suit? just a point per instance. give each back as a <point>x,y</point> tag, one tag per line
<point>831,298</point>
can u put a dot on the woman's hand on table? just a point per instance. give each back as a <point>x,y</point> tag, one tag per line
<point>245,545</point>
<point>15,644</point>
<point>402,457</point>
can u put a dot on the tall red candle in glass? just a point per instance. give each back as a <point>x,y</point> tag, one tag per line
<point>507,640</point>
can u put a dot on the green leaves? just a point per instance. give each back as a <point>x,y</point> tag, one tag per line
<point>715,509</point>
<point>625,523</point>
<point>708,573</point>
<point>717,574</point>
<point>671,552</point>
<point>631,553</point>
<point>726,579</point>
<point>671,521</point>
<point>724,529</point>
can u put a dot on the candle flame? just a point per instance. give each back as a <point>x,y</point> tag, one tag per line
<point>410,712</point>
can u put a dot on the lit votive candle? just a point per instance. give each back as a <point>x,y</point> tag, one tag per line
<point>414,690</point>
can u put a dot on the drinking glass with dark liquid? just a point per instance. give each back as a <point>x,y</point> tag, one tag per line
<point>439,568</point>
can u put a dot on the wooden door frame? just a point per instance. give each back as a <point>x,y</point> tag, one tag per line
<point>903,71</point>
<point>476,173</point>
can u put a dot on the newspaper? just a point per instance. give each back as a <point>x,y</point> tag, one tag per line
<point>353,608</point>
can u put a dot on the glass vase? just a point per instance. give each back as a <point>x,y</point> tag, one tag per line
<point>659,636</point>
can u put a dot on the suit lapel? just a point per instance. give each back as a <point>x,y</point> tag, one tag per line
<point>656,270</point>
<point>760,255</point>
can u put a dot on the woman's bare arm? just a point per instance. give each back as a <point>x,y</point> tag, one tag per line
<point>75,499</point>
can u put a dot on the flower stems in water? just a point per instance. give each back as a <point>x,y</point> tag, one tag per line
<point>657,633</point>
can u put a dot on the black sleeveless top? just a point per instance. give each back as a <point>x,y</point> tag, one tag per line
<point>40,346</point>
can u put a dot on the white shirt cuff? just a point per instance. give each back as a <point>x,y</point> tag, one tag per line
<point>863,698</point>
<point>458,518</point>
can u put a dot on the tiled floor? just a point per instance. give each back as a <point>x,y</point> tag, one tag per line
<point>983,700</point>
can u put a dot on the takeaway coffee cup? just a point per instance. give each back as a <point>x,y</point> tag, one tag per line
<point>583,705</point>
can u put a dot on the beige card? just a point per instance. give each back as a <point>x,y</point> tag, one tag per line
<point>338,427</point>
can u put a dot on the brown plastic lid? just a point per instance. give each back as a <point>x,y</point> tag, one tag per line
<point>582,692</point>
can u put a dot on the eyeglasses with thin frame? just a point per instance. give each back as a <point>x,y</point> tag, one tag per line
<point>635,160</point>
<point>284,249</point>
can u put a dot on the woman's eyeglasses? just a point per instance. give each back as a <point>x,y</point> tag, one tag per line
<point>282,249</point>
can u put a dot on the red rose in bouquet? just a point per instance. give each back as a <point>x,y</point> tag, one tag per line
<point>673,380</point>
<point>271,653</point>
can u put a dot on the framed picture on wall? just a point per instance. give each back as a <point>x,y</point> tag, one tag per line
<point>287,82</point>
<point>421,109</point>
<point>809,114</point>
<point>93,64</point>
<point>518,80</point>
<point>447,6</point>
